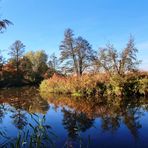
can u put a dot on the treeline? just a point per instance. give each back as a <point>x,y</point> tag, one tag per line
<point>79,56</point>
<point>77,59</point>
<point>23,68</point>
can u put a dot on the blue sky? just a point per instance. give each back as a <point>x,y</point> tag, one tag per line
<point>40,24</point>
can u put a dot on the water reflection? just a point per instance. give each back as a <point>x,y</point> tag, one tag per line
<point>75,122</point>
<point>26,98</point>
<point>19,118</point>
<point>78,115</point>
<point>112,114</point>
<point>2,112</point>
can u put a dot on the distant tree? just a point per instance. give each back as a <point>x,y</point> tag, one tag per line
<point>38,61</point>
<point>120,63</point>
<point>16,53</point>
<point>53,66</point>
<point>76,53</point>
<point>53,62</point>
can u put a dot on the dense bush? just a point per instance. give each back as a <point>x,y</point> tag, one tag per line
<point>84,85</point>
<point>143,86</point>
<point>130,84</point>
<point>101,85</point>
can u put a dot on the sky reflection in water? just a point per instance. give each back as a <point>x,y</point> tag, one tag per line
<point>75,122</point>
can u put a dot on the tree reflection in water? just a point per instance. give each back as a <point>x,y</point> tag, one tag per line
<point>18,102</point>
<point>24,99</point>
<point>75,123</point>
<point>132,121</point>
<point>19,118</point>
<point>112,112</point>
<point>79,114</point>
<point>125,111</point>
<point>2,112</point>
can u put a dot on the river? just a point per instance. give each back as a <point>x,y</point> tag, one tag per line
<point>30,119</point>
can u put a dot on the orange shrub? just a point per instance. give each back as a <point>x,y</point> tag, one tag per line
<point>85,84</point>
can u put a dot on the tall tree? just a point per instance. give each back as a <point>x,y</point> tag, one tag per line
<point>84,53</point>
<point>68,50</point>
<point>120,63</point>
<point>16,53</point>
<point>128,60</point>
<point>76,52</point>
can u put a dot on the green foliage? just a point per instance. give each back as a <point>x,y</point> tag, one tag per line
<point>115,86</point>
<point>143,86</point>
<point>131,84</point>
<point>23,69</point>
<point>38,66</point>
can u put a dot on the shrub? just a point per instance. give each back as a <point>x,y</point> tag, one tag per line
<point>84,85</point>
<point>100,85</point>
<point>143,86</point>
<point>115,85</point>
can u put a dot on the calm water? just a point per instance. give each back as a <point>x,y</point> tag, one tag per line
<point>72,122</point>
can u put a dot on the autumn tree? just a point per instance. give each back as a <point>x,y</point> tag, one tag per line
<point>76,53</point>
<point>120,63</point>
<point>128,60</point>
<point>16,53</point>
<point>38,62</point>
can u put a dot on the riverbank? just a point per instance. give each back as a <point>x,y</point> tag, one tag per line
<point>132,84</point>
<point>17,83</point>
